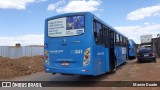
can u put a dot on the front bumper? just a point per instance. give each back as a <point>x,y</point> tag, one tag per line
<point>146,58</point>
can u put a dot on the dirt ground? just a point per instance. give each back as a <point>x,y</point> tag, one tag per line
<point>145,71</point>
<point>134,71</point>
<point>10,68</point>
<point>131,71</point>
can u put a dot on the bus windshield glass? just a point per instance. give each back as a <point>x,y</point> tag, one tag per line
<point>66,26</point>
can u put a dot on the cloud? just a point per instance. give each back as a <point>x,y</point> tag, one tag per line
<point>41,0</point>
<point>55,5</point>
<point>17,4</point>
<point>146,23</point>
<point>75,6</point>
<point>144,12</point>
<point>134,32</point>
<point>23,40</point>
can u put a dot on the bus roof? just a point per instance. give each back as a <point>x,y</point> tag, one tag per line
<point>131,41</point>
<point>67,14</point>
<point>83,13</point>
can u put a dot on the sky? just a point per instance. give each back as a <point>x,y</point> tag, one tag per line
<point>22,21</point>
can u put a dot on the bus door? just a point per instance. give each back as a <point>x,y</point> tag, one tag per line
<point>111,50</point>
<point>106,44</point>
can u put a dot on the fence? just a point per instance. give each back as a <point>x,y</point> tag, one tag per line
<point>16,52</point>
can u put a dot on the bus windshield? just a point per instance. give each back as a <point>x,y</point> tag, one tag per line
<point>66,26</point>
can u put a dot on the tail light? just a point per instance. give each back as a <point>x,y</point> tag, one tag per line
<point>46,57</point>
<point>153,53</point>
<point>86,59</point>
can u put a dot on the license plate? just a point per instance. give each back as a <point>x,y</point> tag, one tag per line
<point>146,55</point>
<point>65,64</point>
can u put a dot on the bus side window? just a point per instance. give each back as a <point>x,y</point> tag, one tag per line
<point>101,35</point>
<point>95,31</point>
<point>125,42</point>
<point>111,38</point>
<point>117,39</point>
<point>105,36</point>
<point>99,32</point>
<point>95,36</point>
<point>121,40</point>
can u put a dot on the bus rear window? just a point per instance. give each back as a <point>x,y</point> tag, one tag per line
<point>66,26</point>
<point>145,50</point>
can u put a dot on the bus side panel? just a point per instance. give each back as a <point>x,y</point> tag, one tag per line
<point>99,60</point>
<point>107,60</point>
<point>120,53</point>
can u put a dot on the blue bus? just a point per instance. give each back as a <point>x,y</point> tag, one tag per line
<point>82,44</point>
<point>132,49</point>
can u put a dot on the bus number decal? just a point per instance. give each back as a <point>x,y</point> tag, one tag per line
<point>78,51</point>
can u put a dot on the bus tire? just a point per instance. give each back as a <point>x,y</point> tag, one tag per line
<point>112,71</point>
<point>134,57</point>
